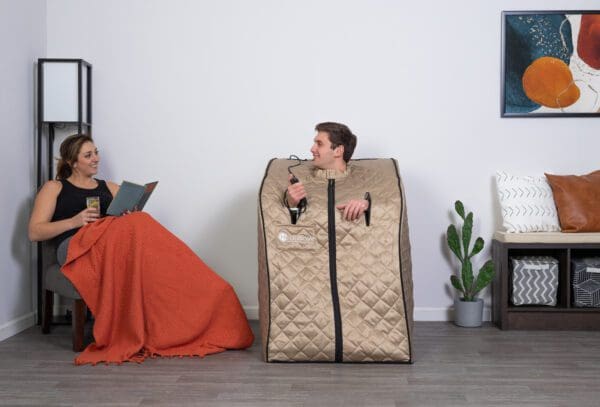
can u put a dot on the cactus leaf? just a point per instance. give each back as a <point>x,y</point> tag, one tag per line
<point>467,276</point>
<point>456,283</point>
<point>477,247</point>
<point>467,230</point>
<point>453,241</point>
<point>460,209</point>
<point>485,276</point>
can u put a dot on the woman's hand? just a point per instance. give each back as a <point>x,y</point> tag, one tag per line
<point>84,217</point>
<point>127,211</point>
<point>354,208</point>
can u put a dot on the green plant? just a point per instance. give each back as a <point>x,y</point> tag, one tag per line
<point>468,284</point>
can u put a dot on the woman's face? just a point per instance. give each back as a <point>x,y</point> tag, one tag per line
<point>87,159</point>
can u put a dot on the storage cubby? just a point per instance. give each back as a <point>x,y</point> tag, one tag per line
<point>560,317</point>
<point>559,255</point>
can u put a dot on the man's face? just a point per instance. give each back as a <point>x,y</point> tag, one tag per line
<point>323,156</point>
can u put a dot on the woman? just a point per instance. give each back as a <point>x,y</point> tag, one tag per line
<point>60,206</point>
<point>150,294</point>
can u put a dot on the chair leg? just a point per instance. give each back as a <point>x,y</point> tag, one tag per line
<point>78,324</point>
<point>47,311</point>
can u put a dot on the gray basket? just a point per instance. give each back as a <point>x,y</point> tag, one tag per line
<point>585,278</point>
<point>534,280</point>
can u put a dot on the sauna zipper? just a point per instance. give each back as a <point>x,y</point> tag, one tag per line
<point>337,318</point>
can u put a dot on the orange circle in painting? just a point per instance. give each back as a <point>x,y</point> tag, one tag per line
<point>549,82</point>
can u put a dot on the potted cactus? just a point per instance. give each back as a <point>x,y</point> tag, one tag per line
<point>468,309</point>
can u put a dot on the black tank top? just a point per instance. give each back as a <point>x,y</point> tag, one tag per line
<point>71,201</point>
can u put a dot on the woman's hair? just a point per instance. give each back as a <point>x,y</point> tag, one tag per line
<point>69,150</point>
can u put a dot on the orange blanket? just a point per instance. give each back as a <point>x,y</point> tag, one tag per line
<point>150,294</point>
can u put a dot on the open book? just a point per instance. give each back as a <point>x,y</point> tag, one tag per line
<point>130,197</point>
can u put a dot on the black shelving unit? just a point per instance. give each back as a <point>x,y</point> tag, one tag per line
<point>46,129</point>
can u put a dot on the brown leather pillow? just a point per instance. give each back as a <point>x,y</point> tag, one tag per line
<point>577,200</point>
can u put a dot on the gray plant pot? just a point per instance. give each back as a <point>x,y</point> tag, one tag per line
<point>468,313</point>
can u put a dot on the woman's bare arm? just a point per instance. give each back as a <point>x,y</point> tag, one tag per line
<point>40,225</point>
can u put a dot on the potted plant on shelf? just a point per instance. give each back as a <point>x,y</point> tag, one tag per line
<point>468,309</point>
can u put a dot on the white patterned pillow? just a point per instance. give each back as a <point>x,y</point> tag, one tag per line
<point>527,203</point>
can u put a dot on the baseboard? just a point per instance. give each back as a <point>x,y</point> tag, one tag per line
<point>421,313</point>
<point>17,325</point>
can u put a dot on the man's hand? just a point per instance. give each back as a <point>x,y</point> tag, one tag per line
<point>295,192</point>
<point>354,208</point>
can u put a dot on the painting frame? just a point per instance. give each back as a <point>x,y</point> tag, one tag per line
<point>509,90</point>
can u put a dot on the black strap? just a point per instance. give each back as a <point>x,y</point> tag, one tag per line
<point>368,211</point>
<point>294,212</point>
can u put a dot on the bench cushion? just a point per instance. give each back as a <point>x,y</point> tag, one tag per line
<point>547,237</point>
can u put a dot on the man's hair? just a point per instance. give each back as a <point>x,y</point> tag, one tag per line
<point>339,135</point>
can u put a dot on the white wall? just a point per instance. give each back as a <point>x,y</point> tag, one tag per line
<point>200,94</point>
<point>22,41</point>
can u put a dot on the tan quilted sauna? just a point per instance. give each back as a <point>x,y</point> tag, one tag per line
<point>332,290</point>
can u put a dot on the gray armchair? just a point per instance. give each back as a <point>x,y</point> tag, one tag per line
<point>55,282</point>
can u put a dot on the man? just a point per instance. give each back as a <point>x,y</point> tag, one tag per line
<point>332,148</point>
<point>315,261</point>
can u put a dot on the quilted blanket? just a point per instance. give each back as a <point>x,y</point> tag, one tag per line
<point>150,294</point>
<point>332,290</point>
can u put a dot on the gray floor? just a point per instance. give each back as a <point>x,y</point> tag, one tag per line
<point>454,367</point>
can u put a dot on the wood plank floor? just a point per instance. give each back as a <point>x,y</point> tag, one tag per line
<point>454,367</point>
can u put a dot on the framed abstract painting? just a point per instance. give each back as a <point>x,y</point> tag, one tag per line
<point>550,64</point>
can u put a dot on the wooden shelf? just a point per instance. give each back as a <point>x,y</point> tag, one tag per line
<point>560,317</point>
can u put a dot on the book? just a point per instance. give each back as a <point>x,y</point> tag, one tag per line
<point>130,197</point>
